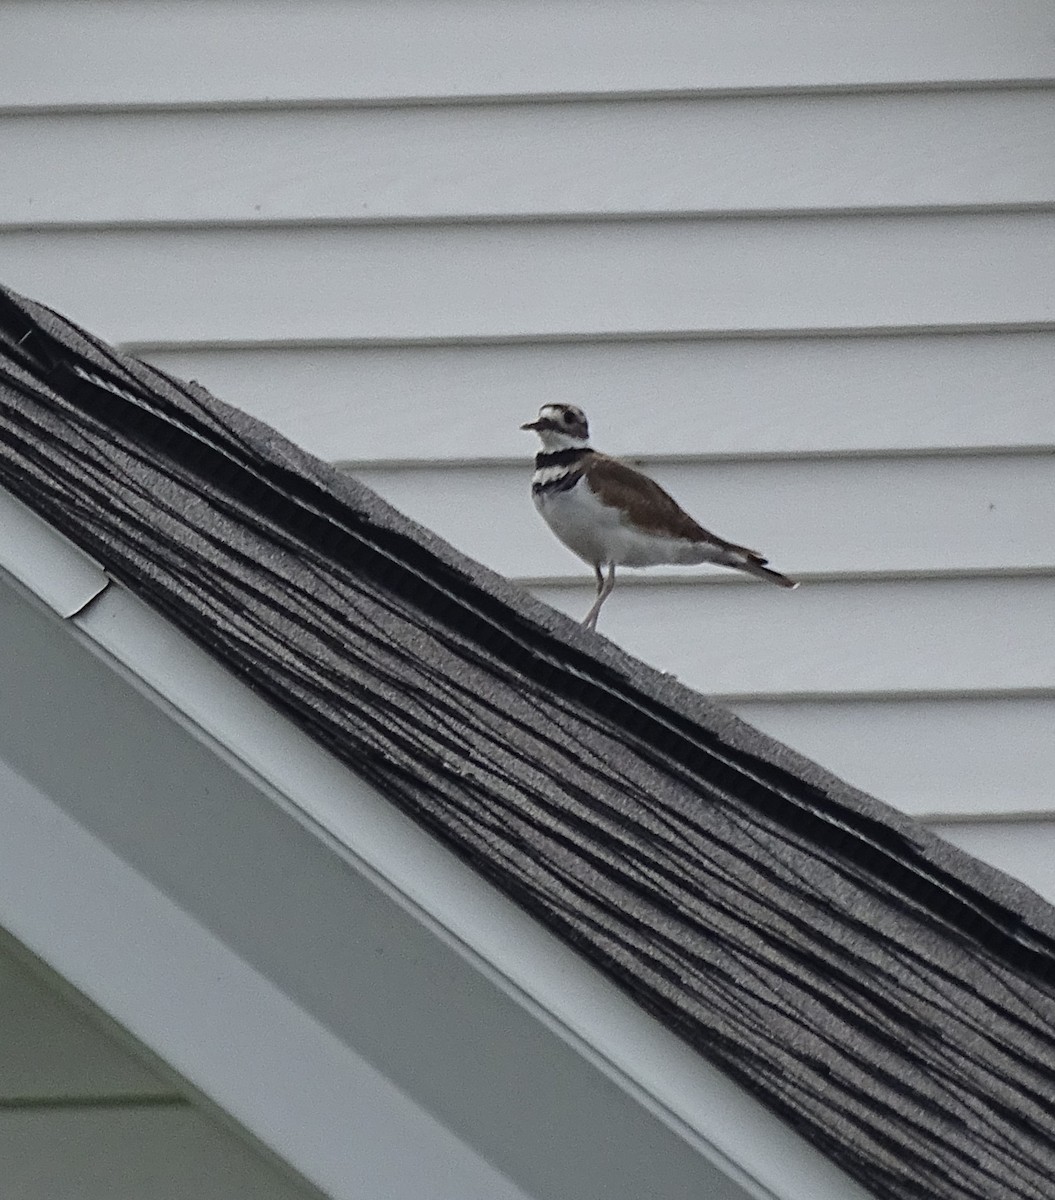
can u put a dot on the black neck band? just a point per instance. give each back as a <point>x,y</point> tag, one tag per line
<point>560,458</point>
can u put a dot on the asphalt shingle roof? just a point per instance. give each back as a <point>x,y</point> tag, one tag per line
<point>890,997</point>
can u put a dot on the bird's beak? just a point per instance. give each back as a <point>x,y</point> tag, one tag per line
<point>530,425</point>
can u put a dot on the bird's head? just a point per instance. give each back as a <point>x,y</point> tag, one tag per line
<point>560,427</point>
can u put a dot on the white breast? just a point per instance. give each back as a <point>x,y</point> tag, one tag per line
<point>599,533</point>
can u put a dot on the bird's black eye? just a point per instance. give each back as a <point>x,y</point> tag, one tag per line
<point>569,418</point>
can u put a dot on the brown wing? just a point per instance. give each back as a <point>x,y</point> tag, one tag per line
<point>649,506</point>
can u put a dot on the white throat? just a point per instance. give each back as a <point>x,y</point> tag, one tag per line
<point>556,439</point>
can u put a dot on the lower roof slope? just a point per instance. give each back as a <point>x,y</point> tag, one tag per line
<point>891,998</point>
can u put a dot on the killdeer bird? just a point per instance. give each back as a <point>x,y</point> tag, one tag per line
<point>613,516</point>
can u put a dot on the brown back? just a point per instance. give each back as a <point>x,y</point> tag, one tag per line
<point>648,505</point>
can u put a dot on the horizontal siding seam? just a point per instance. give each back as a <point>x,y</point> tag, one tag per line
<point>669,580</point>
<point>1025,816</point>
<point>881,695</point>
<point>142,346</point>
<point>556,217</point>
<point>867,454</point>
<point>486,99</point>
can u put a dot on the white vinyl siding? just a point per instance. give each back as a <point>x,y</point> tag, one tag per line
<point>826,516</point>
<point>548,279</point>
<point>748,154</point>
<point>697,397</point>
<point>1024,848</point>
<point>986,754</point>
<point>861,636</point>
<point>131,52</point>
<point>795,260</point>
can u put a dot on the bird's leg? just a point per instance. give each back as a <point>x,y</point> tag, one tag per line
<point>590,620</point>
<point>604,590</point>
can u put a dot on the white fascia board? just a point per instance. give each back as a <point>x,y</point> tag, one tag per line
<point>728,1127</point>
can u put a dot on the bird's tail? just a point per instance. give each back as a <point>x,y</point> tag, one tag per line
<point>756,568</point>
<point>754,564</point>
